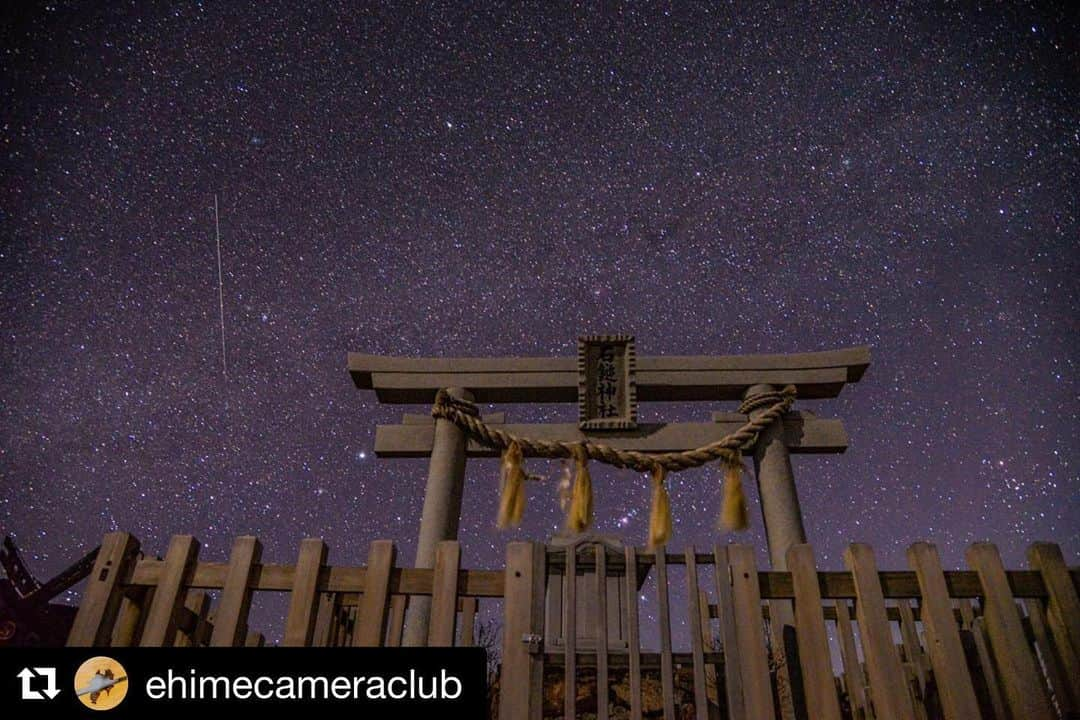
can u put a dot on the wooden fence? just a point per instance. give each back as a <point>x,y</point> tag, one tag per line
<point>134,600</point>
<point>924,643</point>
<point>804,643</point>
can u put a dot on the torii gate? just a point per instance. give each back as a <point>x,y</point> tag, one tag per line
<point>609,418</point>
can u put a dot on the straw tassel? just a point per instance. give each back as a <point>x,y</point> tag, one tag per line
<point>733,513</point>
<point>512,500</point>
<point>660,515</point>
<point>580,516</point>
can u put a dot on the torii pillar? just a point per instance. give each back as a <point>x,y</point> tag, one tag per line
<point>441,514</point>
<point>780,509</point>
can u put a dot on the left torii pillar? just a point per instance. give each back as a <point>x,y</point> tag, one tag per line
<point>442,512</point>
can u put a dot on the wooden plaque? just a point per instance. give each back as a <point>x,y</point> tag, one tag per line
<point>607,394</point>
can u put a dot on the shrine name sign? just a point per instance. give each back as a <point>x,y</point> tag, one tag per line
<point>607,391</point>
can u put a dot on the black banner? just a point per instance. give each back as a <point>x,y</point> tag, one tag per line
<point>335,682</point>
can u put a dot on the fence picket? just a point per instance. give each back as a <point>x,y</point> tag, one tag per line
<point>300,622</point>
<point>887,687</point>
<point>230,623</point>
<point>180,559</point>
<point>1020,679</point>
<point>371,615</point>
<point>693,596</point>
<point>632,630</point>
<point>750,633</point>
<point>96,615</point>
<point>667,666</point>
<point>814,659</point>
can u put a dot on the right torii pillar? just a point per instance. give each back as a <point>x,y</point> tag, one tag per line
<point>782,516</point>
<point>776,487</point>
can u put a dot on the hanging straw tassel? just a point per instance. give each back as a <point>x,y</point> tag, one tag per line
<point>660,515</point>
<point>512,500</point>
<point>580,516</point>
<point>733,514</point>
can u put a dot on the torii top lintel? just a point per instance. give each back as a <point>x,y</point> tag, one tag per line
<point>659,378</point>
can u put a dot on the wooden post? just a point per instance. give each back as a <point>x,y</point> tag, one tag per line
<point>303,601</point>
<point>820,688</point>
<point>441,514</point>
<point>570,635</point>
<point>132,616</point>
<point>1020,676</point>
<point>397,620</point>
<point>230,620</point>
<point>954,684</point>
<point>198,603</point>
<point>728,637</point>
<point>469,606</point>
<point>371,616</point>
<point>854,678</point>
<point>324,619</point>
<point>697,649</point>
<point>667,665</point>
<point>180,560</point>
<point>1062,612</point>
<point>753,664</point>
<point>602,689</point>
<point>521,684</point>
<point>888,688</point>
<point>94,620</point>
<point>1051,658</point>
<point>444,590</point>
<point>633,638</point>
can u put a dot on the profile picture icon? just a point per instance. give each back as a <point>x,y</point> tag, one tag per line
<point>101,683</point>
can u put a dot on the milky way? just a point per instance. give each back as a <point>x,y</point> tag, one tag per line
<point>497,181</point>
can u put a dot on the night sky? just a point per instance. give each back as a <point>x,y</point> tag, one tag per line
<point>496,180</point>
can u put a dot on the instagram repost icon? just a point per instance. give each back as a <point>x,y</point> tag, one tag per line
<point>101,683</point>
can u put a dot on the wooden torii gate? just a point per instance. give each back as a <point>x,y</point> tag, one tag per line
<point>570,380</point>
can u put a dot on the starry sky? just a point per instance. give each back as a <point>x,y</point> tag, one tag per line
<point>496,180</point>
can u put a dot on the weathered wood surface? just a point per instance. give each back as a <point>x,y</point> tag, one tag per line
<point>97,612</point>
<point>946,652</point>
<point>375,604</point>
<point>667,667</point>
<point>749,634</point>
<point>489,583</point>
<point>444,606</point>
<point>231,617</point>
<point>803,434</point>
<point>601,633</point>
<point>1021,680</point>
<point>888,689</point>
<point>521,684</point>
<point>661,378</point>
<point>814,659</point>
<point>570,636</point>
<point>693,595</point>
<point>975,664</point>
<point>728,640</point>
<point>303,602</point>
<point>633,638</point>
<point>1062,613</point>
<point>179,564</point>
<point>854,678</point>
